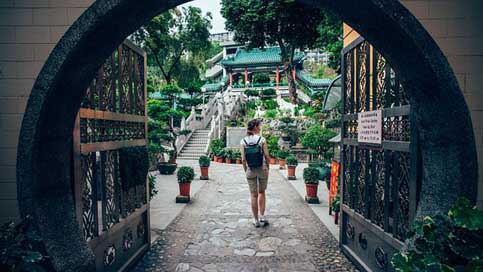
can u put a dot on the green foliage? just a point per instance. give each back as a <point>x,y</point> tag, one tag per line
<point>185,174</point>
<point>251,114</point>
<point>133,166</point>
<point>286,120</point>
<point>270,114</point>
<point>22,249</point>
<point>152,186</point>
<point>173,36</point>
<point>452,242</point>
<point>261,78</point>
<point>251,105</point>
<point>216,145</point>
<point>283,154</point>
<point>204,161</point>
<point>270,104</point>
<point>236,154</point>
<point>252,92</point>
<point>335,204</point>
<point>309,112</point>
<point>317,138</point>
<point>333,123</point>
<point>187,103</point>
<point>171,90</point>
<point>269,93</point>
<point>292,161</point>
<point>220,153</point>
<point>311,175</point>
<point>273,147</point>
<point>330,39</point>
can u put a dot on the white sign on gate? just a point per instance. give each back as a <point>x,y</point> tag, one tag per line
<point>369,127</point>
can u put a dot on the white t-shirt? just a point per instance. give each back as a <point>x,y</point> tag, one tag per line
<point>252,139</point>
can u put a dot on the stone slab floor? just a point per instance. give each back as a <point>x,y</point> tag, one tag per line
<point>214,232</point>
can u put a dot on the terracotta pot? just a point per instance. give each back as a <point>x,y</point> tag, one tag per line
<point>281,163</point>
<point>204,171</point>
<point>238,161</point>
<point>273,161</point>
<point>311,190</point>
<point>184,189</point>
<point>336,218</point>
<point>291,171</point>
<point>228,161</point>
<point>215,158</point>
<point>220,160</point>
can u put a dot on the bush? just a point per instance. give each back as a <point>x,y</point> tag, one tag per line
<point>152,186</point>
<point>204,161</point>
<point>22,249</point>
<point>270,104</point>
<point>283,154</point>
<point>220,153</point>
<point>335,204</point>
<point>334,123</point>
<point>251,105</point>
<point>452,242</point>
<point>269,93</point>
<point>317,138</point>
<point>273,148</point>
<point>261,78</point>
<point>228,152</point>
<point>271,114</point>
<point>185,174</point>
<point>237,154</point>
<point>292,161</point>
<point>251,92</point>
<point>216,145</point>
<point>311,175</point>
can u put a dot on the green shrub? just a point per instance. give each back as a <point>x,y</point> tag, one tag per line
<point>309,112</point>
<point>335,204</point>
<point>152,186</point>
<point>220,153</point>
<point>251,105</point>
<point>251,92</point>
<point>22,249</point>
<point>292,161</point>
<point>185,174</point>
<point>261,78</point>
<point>334,123</point>
<point>271,114</point>
<point>237,154</point>
<point>133,166</point>
<point>317,138</point>
<point>216,145</point>
<point>270,92</point>
<point>311,175</point>
<point>273,148</point>
<point>283,154</point>
<point>444,242</point>
<point>270,104</point>
<point>228,152</point>
<point>251,114</point>
<point>204,161</point>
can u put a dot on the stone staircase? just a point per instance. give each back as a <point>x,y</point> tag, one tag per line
<point>196,145</point>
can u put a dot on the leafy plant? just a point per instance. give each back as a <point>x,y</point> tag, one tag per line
<point>228,152</point>
<point>220,153</point>
<point>273,147</point>
<point>451,242</point>
<point>251,92</point>
<point>152,186</point>
<point>261,78</point>
<point>236,154</point>
<point>283,154</point>
<point>286,120</point>
<point>269,93</point>
<point>292,161</point>
<point>22,249</point>
<point>204,161</point>
<point>317,138</point>
<point>270,104</point>
<point>311,175</point>
<point>335,204</point>
<point>271,114</point>
<point>185,174</point>
<point>216,145</point>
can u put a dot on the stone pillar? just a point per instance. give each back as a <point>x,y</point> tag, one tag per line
<point>230,76</point>
<point>246,78</point>
<point>277,78</point>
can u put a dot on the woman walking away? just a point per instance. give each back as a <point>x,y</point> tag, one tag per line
<point>255,160</point>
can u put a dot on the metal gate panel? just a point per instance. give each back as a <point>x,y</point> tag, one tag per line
<point>115,221</point>
<point>379,183</point>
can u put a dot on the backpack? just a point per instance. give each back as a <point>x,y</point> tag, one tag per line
<point>253,154</point>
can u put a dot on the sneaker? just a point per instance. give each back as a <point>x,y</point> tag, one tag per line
<point>263,220</point>
<point>256,223</point>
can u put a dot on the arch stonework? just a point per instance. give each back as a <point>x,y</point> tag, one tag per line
<point>45,144</point>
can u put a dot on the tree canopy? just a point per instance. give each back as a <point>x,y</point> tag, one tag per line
<point>286,23</point>
<point>330,39</point>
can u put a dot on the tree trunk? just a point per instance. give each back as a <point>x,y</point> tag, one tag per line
<point>292,90</point>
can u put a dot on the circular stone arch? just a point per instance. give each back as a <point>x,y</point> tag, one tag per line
<point>447,147</point>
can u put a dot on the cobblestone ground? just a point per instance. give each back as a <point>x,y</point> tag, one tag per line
<point>215,233</point>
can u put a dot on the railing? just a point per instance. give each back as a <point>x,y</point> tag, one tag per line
<point>215,59</point>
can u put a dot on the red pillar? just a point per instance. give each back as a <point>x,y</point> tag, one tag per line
<point>230,76</point>
<point>246,77</point>
<point>277,78</point>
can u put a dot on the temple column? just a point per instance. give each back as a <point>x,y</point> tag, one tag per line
<point>246,78</point>
<point>277,78</point>
<point>230,76</point>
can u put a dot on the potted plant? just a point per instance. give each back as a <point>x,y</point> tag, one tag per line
<point>292,163</point>
<point>273,156</point>
<point>220,155</point>
<point>185,175</point>
<point>335,207</point>
<point>237,156</point>
<point>273,148</point>
<point>204,162</point>
<point>282,155</point>
<point>311,178</point>
<point>228,155</point>
<point>215,146</point>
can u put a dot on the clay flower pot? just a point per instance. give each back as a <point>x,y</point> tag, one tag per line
<point>184,189</point>
<point>215,158</point>
<point>311,190</point>
<point>281,162</point>
<point>273,161</point>
<point>238,161</point>
<point>336,218</point>
<point>291,171</point>
<point>220,160</point>
<point>228,161</point>
<point>204,173</point>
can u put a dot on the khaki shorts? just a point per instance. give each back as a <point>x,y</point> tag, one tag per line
<point>257,176</point>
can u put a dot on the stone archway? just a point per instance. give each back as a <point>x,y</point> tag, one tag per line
<point>43,161</point>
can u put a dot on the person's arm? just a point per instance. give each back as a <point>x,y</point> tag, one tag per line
<point>266,154</point>
<point>244,161</point>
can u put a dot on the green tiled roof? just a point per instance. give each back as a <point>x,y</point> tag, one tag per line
<point>269,55</point>
<point>215,87</point>
<point>312,82</point>
<point>160,96</point>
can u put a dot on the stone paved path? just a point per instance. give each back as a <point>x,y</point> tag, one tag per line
<point>214,232</point>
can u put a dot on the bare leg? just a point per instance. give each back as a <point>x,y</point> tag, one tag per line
<point>261,202</point>
<point>254,201</point>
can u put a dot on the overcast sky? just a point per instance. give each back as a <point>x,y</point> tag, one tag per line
<point>213,6</point>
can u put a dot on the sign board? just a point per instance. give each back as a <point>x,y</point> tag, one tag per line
<point>369,127</point>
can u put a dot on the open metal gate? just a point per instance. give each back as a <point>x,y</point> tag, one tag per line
<point>115,220</point>
<point>380,182</point>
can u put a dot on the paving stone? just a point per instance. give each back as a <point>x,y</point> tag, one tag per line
<point>269,244</point>
<point>245,252</point>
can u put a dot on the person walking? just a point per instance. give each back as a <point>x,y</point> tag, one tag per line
<point>255,158</point>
